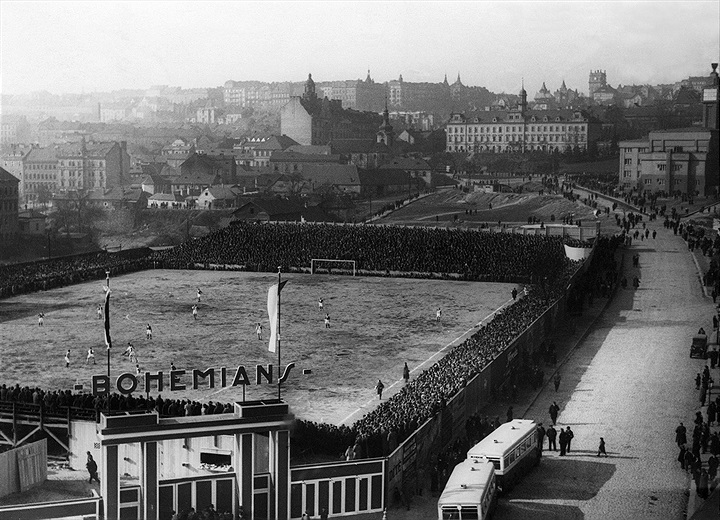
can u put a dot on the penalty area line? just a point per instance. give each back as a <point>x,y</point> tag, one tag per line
<point>428,360</point>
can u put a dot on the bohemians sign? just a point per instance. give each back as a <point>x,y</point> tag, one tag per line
<point>127,383</point>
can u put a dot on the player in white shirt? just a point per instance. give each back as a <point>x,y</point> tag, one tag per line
<point>259,330</point>
<point>90,355</point>
<point>438,314</point>
<point>148,331</point>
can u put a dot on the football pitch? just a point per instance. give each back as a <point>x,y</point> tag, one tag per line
<point>376,325</point>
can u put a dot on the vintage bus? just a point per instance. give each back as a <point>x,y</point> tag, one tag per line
<point>470,492</point>
<point>513,449</point>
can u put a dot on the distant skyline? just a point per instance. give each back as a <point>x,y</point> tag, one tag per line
<point>84,46</point>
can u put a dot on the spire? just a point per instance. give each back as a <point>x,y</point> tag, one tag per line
<point>368,79</point>
<point>457,81</point>
<point>563,87</point>
<point>445,81</point>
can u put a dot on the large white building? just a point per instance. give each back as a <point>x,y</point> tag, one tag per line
<point>521,130</point>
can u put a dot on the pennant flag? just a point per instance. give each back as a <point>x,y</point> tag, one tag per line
<point>108,341</point>
<point>273,301</point>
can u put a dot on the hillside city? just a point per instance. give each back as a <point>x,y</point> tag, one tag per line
<point>313,150</point>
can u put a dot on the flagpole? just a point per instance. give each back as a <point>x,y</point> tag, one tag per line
<point>277,338</point>
<point>107,280</point>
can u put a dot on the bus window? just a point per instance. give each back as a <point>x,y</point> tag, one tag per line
<point>469,513</point>
<point>450,514</point>
<point>496,463</point>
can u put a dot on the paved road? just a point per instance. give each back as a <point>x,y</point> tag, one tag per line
<point>630,380</point>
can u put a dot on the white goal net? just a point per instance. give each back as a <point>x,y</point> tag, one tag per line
<point>328,265</point>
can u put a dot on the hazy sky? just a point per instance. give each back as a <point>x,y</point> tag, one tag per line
<point>75,46</point>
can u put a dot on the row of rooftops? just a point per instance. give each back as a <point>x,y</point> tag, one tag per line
<point>516,116</point>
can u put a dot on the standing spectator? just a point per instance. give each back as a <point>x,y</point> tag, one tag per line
<point>556,381</point>
<point>570,435</point>
<point>541,435</point>
<point>601,448</point>
<point>712,467</point>
<point>563,441</point>
<point>379,386</point>
<point>681,435</point>
<point>406,373</point>
<point>681,457</point>
<point>514,293</point>
<point>92,468</point>
<point>551,434</point>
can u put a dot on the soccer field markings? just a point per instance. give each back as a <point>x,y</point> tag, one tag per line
<point>428,360</point>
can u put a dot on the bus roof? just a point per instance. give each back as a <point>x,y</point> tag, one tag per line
<point>467,483</point>
<point>502,439</point>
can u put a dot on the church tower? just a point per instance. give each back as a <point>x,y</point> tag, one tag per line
<point>597,80</point>
<point>385,133</point>
<point>522,105</point>
<point>310,94</point>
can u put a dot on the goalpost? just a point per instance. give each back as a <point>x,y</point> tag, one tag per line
<point>327,263</point>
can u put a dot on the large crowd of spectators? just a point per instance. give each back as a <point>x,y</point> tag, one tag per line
<point>58,272</point>
<point>473,254</point>
<point>80,405</point>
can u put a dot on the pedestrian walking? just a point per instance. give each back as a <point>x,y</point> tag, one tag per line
<point>92,468</point>
<point>601,448</point>
<point>681,457</point>
<point>554,409</point>
<point>406,373</point>
<point>556,381</point>
<point>379,386</point>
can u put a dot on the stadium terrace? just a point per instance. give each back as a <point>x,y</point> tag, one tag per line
<point>128,383</point>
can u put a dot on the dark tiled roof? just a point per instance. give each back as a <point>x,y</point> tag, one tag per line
<point>6,176</point>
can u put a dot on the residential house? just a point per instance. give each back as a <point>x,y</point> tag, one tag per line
<point>31,222</point>
<point>9,197</point>
<point>40,174</point>
<point>363,153</point>
<point>264,150</point>
<point>217,197</point>
<point>279,210</point>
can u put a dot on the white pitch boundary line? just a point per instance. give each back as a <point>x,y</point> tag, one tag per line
<point>425,363</point>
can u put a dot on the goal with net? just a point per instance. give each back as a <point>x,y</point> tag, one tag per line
<point>329,265</point>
